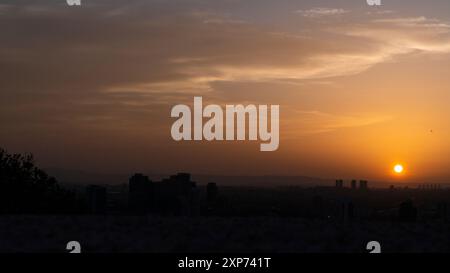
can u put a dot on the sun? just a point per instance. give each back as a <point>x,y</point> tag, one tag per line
<point>398,169</point>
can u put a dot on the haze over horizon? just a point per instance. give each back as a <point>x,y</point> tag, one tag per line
<point>360,88</point>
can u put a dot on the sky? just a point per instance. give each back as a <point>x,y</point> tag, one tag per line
<point>360,88</point>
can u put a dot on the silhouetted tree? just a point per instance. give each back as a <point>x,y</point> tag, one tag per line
<point>24,188</point>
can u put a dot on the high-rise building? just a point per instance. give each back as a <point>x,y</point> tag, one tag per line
<point>141,193</point>
<point>176,195</point>
<point>353,184</point>
<point>363,185</point>
<point>339,183</point>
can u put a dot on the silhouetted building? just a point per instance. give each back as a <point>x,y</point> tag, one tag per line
<point>339,184</point>
<point>96,199</point>
<point>176,195</point>
<point>140,193</point>
<point>429,187</point>
<point>181,177</point>
<point>353,184</point>
<point>363,185</point>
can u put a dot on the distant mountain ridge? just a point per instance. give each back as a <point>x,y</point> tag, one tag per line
<point>76,177</point>
<point>86,178</point>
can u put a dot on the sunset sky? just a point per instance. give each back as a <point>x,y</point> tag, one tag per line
<point>360,88</point>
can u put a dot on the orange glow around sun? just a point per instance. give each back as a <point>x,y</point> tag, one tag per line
<point>399,169</point>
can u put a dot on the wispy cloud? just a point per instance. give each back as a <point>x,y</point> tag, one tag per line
<point>420,21</point>
<point>319,12</point>
<point>316,122</point>
<point>405,35</point>
<point>180,52</point>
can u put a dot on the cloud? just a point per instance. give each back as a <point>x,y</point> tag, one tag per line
<point>58,60</point>
<point>319,12</point>
<point>316,122</point>
<point>405,35</point>
<point>420,21</point>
